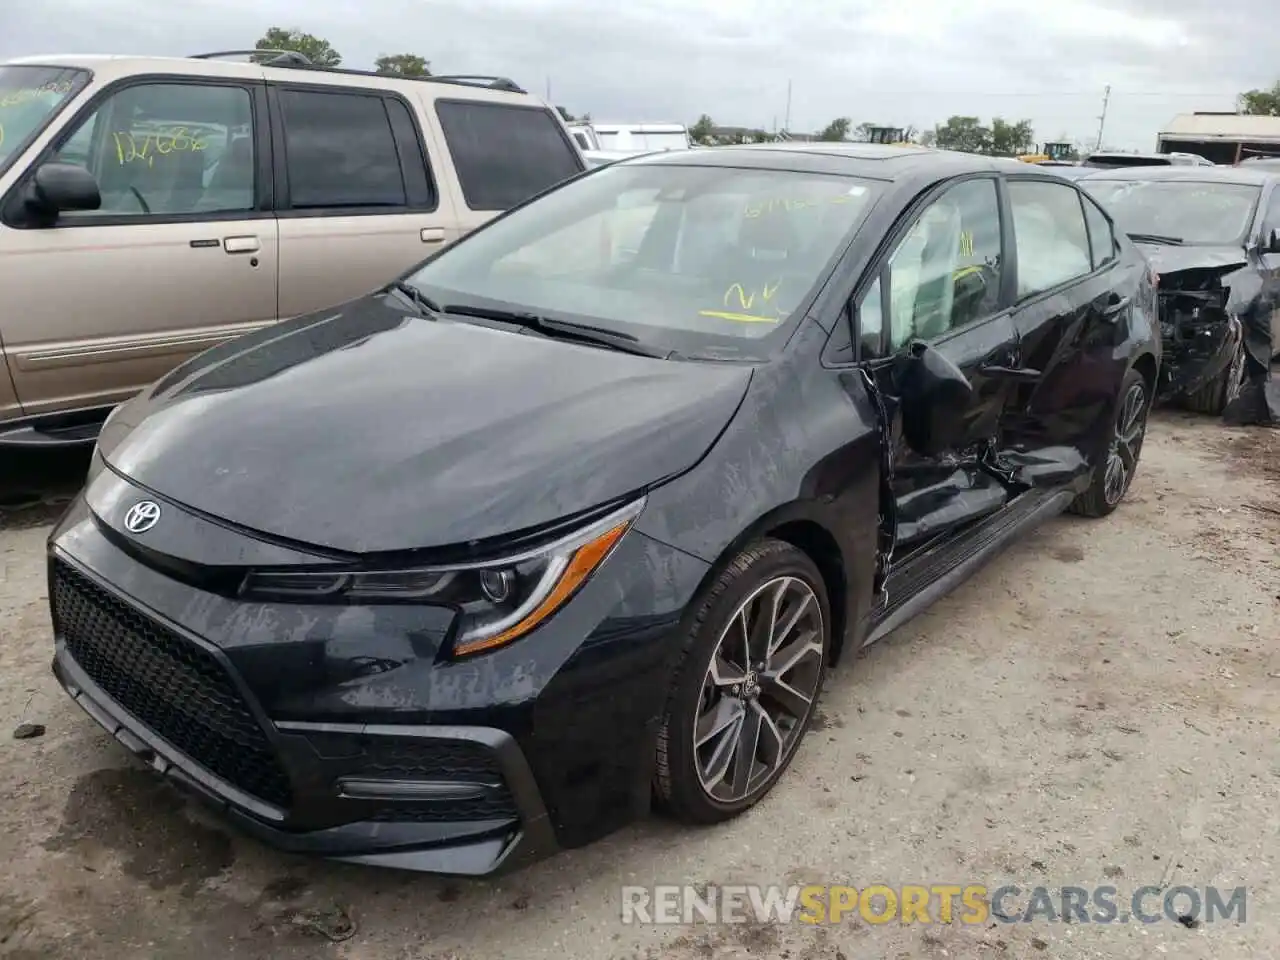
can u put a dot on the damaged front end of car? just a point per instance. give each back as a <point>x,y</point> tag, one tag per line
<point>1202,332</point>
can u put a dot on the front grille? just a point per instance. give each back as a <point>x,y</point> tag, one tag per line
<point>181,692</point>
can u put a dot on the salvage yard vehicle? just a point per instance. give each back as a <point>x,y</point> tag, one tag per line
<point>479,566</point>
<point>153,207</point>
<point>1110,160</point>
<point>1213,236</point>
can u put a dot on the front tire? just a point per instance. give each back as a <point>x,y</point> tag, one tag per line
<point>1213,397</point>
<point>743,694</point>
<point>1119,462</point>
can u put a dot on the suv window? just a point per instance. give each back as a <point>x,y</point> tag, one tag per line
<point>1102,239</point>
<point>165,149</point>
<point>1052,239</point>
<point>945,273</point>
<point>340,151</point>
<point>504,154</point>
<point>1271,220</point>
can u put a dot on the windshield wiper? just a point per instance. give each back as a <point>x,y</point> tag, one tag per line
<point>426,306</point>
<point>1156,238</point>
<point>550,327</point>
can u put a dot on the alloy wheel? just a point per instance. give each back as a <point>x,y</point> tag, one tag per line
<point>759,689</point>
<point>1235,375</point>
<point>1126,444</point>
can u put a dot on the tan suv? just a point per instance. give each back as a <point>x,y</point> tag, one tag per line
<point>151,208</point>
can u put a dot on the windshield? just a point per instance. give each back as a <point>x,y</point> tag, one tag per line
<point>29,97</point>
<point>696,259</point>
<point>1195,211</point>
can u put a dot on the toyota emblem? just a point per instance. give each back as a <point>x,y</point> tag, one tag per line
<point>142,516</point>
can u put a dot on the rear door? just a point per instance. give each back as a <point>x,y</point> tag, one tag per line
<point>502,154</point>
<point>945,283</point>
<point>358,198</point>
<point>181,254</point>
<point>1073,300</point>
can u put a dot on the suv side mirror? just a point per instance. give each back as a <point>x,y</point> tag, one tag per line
<point>935,399</point>
<point>63,186</point>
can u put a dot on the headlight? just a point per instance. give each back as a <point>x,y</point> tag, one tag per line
<point>498,601</point>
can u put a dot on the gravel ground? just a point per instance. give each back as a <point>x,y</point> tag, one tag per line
<point>1099,705</point>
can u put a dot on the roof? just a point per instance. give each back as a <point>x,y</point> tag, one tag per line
<point>112,66</point>
<point>1221,126</point>
<point>1215,174</point>
<point>871,161</point>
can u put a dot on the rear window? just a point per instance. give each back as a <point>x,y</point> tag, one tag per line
<point>1136,160</point>
<point>504,154</point>
<point>29,98</point>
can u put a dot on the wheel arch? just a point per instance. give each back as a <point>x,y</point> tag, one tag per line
<point>801,524</point>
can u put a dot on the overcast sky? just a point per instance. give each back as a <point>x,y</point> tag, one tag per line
<point>912,62</point>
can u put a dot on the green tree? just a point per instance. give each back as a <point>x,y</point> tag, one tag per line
<point>1265,103</point>
<point>836,130</point>
<point>1011,139</point>
<point>313,48</point>
<point>402,65</point>
<point>703,131</point>
<point>963,133</point>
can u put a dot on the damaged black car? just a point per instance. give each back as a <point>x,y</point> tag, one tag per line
<point>574,518</point>
<point>1212,235</point>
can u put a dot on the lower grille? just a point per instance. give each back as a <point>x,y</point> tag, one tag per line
<point>459,761</point>
<point>171,685</point>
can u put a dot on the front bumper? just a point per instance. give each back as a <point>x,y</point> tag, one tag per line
<point>518,831</point>
<point>344,731</point>
<point>1198,356</point>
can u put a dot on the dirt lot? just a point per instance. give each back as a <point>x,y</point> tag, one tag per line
<point>1100,705</point>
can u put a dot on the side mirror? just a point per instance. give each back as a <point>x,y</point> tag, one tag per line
<point>57,187</point>
<point>935,400</point>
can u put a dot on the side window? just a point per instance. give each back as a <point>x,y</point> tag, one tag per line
<point>869,322</point>
<point>339,151</point>
<point>166,149</point>
<point>1271,221</point>
<point>1102,240</point>
<point>946,271</point>
<point>1052,240</point>
<point>503,154</point>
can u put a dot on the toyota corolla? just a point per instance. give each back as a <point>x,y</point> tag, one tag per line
<point>575,517</point>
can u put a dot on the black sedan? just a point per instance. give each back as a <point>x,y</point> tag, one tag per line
<point>577,515</point>
<point>1213,236</point>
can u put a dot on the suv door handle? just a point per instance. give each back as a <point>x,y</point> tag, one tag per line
<point>432,234</point>
<point>1114,307</point>
<point>241,244</point>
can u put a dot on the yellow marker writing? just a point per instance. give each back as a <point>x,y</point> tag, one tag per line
<point>740,317</point>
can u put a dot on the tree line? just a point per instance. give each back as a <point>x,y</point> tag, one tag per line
<point>1000,137</point>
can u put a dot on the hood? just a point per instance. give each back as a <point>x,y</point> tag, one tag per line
<point>1172,259</point>
<point>366,430</point>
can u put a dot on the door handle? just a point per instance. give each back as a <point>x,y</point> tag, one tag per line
<point>1022,374</point>
<point>241,244</point>
<point>432,234</point>
<point>1115,306</point>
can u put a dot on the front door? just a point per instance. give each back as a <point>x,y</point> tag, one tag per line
<point>944,284</point>
<point>181,254</point>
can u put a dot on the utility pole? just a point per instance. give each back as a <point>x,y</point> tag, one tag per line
<point>1102,120</point>
<point>549,88</point>
<point>786,122</point>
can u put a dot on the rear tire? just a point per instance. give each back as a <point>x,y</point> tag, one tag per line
<point>1118,462</point>
<point>1213,397</point>
<point>744,692</point>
